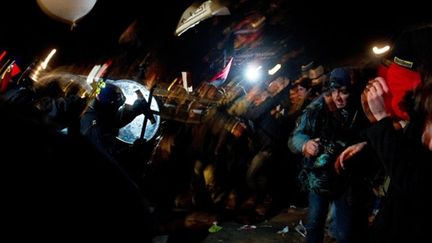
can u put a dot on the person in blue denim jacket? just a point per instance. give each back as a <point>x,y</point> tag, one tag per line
<point>326,127</point>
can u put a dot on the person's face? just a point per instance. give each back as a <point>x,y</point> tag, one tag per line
<point>293,94</point>
<point>340,97</point>
<point>302,92</point>
<point>275,86</point>
<point>260,98</point>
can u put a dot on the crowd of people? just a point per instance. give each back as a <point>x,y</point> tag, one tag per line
<point>325,142</point>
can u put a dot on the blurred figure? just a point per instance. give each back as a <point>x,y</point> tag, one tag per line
<point>316,74</point>
<point>299,98</point>
<point>106,114</point>
<point>61,106</point>
<point>405,153</point>
<point>267,118</point>
<point>300,95</point>
<point>59,187</point>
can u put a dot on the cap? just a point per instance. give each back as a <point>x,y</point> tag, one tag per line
<point>340,77</point>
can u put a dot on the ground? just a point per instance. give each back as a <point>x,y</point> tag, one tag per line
<point>197,227</point>
<point>266,231</point>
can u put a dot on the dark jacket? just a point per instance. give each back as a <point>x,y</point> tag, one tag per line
<point>101,123</point>
<point>269,121</point>
<point>407,209</point>
<point>336,130</point>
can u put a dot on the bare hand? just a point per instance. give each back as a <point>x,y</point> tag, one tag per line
<point>373,100</point>
<point>311,148</point>
<point>347,154</point>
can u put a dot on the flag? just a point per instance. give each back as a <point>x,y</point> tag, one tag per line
<point>8,69</point>
<point>220,78</point>
<point>2,55</point>
<point>187,81</point>
<point>5,78</point>
<point>248,31</point>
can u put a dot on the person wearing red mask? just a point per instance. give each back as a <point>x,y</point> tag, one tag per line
<point>404,93</point>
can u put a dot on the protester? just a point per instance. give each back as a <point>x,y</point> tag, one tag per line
<point>406,153</point>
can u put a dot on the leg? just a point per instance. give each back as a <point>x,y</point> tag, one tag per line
<point>343,220</point>
<point>317,214</point>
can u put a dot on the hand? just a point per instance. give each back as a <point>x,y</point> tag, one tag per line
<point>311,148</point>
<point>347,154</point>
<point>373,100</point>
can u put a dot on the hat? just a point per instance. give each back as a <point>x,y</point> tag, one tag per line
<point>308,66</point>
<point>412,48</point>
<point>340,77</point>
<point>111,94</point>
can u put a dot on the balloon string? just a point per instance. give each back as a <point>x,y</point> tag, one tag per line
<point>73,25</point>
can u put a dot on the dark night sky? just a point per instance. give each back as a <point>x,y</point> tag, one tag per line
<point>29,31</point>
<point>332,33</point>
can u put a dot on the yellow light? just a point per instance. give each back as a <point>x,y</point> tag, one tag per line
<point>173,82</point>
<point>48,58</point>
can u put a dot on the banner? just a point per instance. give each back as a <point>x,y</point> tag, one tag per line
<point>220,78</point>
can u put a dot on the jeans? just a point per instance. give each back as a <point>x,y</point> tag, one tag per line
<point>255,167</point>
<point>317,214</point>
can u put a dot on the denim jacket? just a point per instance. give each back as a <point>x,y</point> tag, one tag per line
<point>335,129</point>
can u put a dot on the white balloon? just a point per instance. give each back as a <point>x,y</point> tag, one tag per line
<point>68,11</point>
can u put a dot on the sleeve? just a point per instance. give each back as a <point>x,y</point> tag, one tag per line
<point>257,111</point>
<point>125,115</point>
<point>386,142</point>
<point>302,132</point>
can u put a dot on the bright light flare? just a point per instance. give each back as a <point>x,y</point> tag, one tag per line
<point>274,69</point>
<point>44,64</point>
<point>380,50</point>
<point>253,73</point>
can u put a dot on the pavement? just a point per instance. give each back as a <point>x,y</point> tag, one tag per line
<point>203,227</point>
<point>280,228</point>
